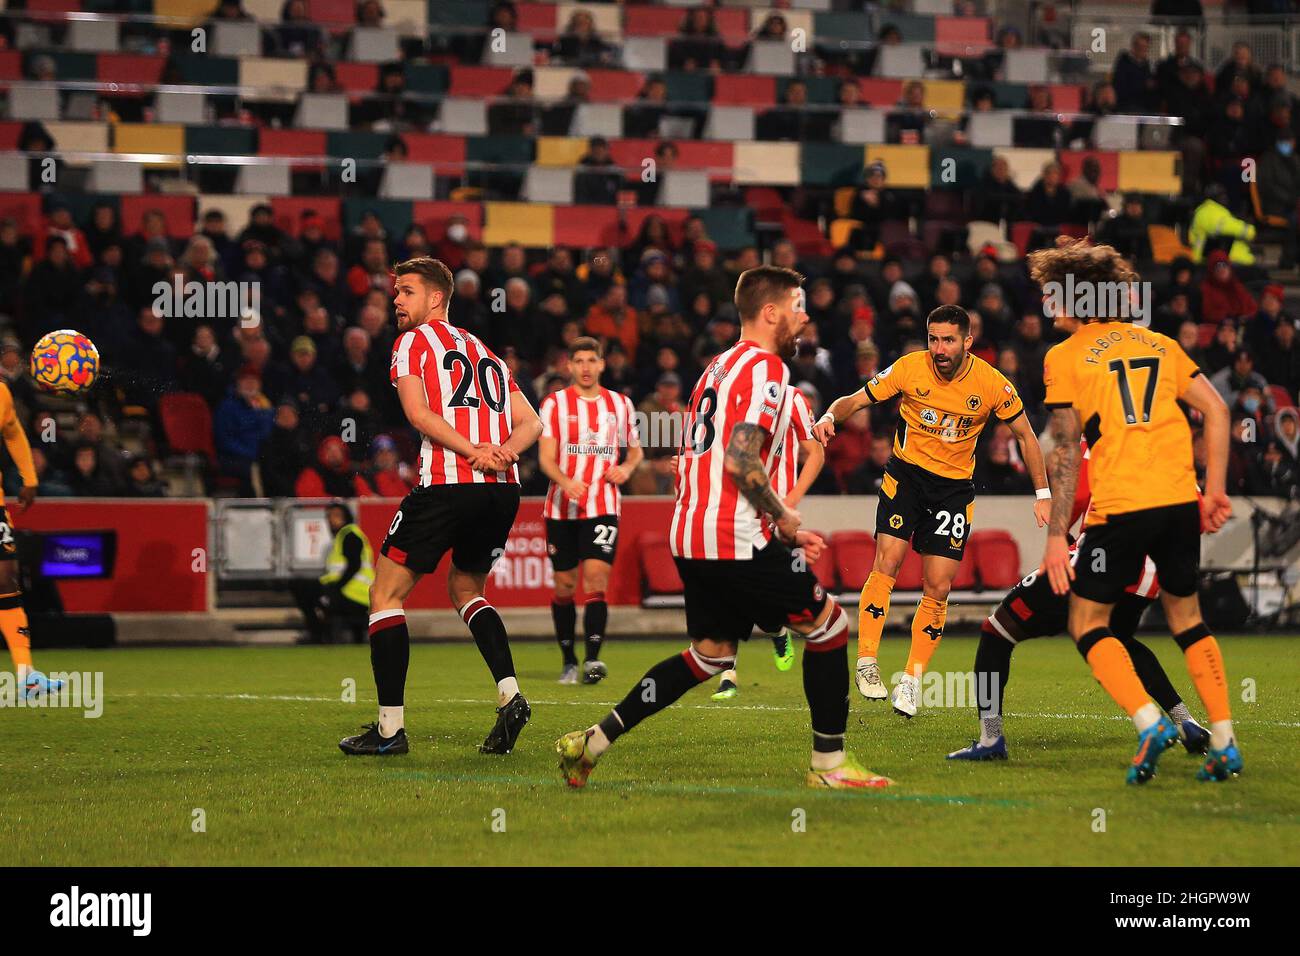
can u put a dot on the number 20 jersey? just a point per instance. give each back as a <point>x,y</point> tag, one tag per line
<point>712,519</point>
<point>1125,381</point>
<point>467,385</point>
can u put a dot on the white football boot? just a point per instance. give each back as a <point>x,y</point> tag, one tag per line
<point>907,695</point>
<point>869,684</point>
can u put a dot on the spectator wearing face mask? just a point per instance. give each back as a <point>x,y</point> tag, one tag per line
<point>1275,472</point>
<point>1239,376</point>
<point>1278,182</point>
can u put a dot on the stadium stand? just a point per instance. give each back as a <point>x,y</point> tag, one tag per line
<point>900,155</point>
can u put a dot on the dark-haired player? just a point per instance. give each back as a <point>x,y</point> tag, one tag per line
<point>1032,609</point>
<point>585,430</point>
<point>475,424</point>
<point>738,569</point>
<point>1119,386</point>
<point>927,496</point>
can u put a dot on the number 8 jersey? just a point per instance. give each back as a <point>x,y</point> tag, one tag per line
<point>712,519</point>
<point>467,385</point>
<point>1125,381</point>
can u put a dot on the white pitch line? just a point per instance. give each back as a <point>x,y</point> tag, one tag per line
<point>611,703</point>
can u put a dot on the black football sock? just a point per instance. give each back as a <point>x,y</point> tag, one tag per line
<point>662,686</point>
<point>594,618</point>
<point>490,635</point>
<point>826,682</point>
<point>390,653</point>
<point>992,671</point>
<point>565,617</point>
<point>1152,675</point>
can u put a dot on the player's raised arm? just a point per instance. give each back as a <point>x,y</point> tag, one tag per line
<point>1215,506</point>
<point>744,463</point>
<point>1062,473</point>
<point>1032,453</point>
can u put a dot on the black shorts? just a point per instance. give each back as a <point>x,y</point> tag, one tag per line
<point>1111,554</point>
<point>570,540</point>
<point>726,599</point>
<point>934,513</point>
<point>8,547</point>
<point>470,521</point>
<point>1032,609</point>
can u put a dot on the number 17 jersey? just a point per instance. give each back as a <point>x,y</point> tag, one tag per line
<point>466,384</point>
<point>1125,381</point>
<point>712,519</point>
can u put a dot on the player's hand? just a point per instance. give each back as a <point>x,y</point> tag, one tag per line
<point>787,526</point>
<point>617,475</point>
<point>1043,511</point>
<point>575,489</point>
<point>812,543</point>
<point>1216,509</point>
<point>1056,562</point>
<point>26,495</point>
<point>824,430</point>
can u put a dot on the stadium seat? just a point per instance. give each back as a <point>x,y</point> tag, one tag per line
<point>645,54</point>
<point>771,58</point>
<point>772,164</point>
<point>1165,244</point>
<point>410,18</point>
<point>479,82</point>
<point>287,212</point>
<point>322,111</point>
<point>93,35</point>
<point>445,153</point>
<point>357,77</point>
<point>730,227</point>
<point>597,119</point>
<point>1281,397</point>
<point>901,60</point>
<point>738,89</point>
<point>187,424</point>
<point>877,91</point>
<point>945,95</point>
<point>237,38</point>
<point>1151,172</point>
<point>587,227</point>
<point>186,108</point>
<point>272,80</point>
<point>684,187</point>
<point>33,102</point>
<point>514,50</point>
<point>178,212</point>
<point>854,554</point>
<point>806,236</point>
<point>563,151</point>
<point>908,167</point>
<point>862,126</point>
<point>167,139</point>
<point>1072,162</point>
<point>731,123</point>
<point>111,178</point>
<point>841,231</point>
<point>264,180</point>
<point>1026,66</point>
<point>830,164</point>
<point>530,224</point>
<point>407,181</point>
<point>464,116</point>
<point>14,173</point>
<point>1026,164</point>
<point>1115,133</point>
<point>997,558</point>
<point>548,185</point>
<point>1021,233</point>
<point>988,130</point>
<point>658,569</point>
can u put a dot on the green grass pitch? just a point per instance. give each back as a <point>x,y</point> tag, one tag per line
<point>248,735</point>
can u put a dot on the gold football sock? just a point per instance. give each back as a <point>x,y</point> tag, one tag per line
<point>873,608</point>
<point>927,631</point>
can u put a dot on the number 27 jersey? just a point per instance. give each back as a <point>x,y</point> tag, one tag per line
<point>468,386</point>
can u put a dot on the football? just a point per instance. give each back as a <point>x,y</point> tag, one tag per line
<point>65,361</point>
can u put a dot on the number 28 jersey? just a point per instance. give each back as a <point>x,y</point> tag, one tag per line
<point>1125,382</point>
<point>712,519</point>
<point>467,385</point>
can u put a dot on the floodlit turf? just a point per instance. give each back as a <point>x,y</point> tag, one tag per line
<point>248,736</point>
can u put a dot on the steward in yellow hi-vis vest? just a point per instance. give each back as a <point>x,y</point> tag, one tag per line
<point>340,598</point>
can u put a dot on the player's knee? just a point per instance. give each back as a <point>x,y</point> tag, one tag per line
<point>935,587</point>
<point>596,579</point>
<point>888,564</point>
<point>565,584</point>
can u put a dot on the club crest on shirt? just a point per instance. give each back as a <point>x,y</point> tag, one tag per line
<point>972,402</point>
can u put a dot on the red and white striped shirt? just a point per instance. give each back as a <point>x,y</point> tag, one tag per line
<point>468,386</point>
<point>590,434</point>
<point>712,519</point>
<point>787,451</point>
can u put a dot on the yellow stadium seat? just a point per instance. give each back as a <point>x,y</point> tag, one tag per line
<point>842,231</point>
<point>945,95</point>
<point>83,137</point>
<point>264,72</point>
<point>150,138</point>
<point>529,224</point>
<point>1026,164</point>
<point>188,11</point>
<point>766,164</point>
<point>1165,244</point>
<point>906,167</point>
<point>1150,172</point>
<point>560,150</point>
<point>844,200</point>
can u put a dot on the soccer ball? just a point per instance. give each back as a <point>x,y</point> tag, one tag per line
<point>65,361</point>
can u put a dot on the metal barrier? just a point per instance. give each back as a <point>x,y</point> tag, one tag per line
<point>270,539</point>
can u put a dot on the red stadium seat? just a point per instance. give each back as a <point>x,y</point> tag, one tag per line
<point>1072,162</point>
<point>739,89</point>
<point>177,210</point>
<point>824,567</point>
<point>293,142</point>
<point>854,553</point>
<point>972,30</point>
<point>717,157</point>
<point>445,152</point>
<point>357,77</point>
<point>806,236</point>
<point>944,205</point>
<point>732,24</point>
<point>997,558</point>
<point>910,575</point>
<point>11,65</point>
<point>615,86</point>
<point>432,216</point>
<point>476,81</point>
<point>587,226</point>
<point>1068,98</point>
<point>128,68</point>
<point>9,133</point>
<point>1281,397</point>
<point>24,208</point>
<point>538,19</point>
<point>767,204</point>
<point>675,218</point>
<point>287,212</point>
<point>880,92</point>
<point>658,569</point>
<point>335,15</point>
<point>187,424</point>
<point>1020,234</point>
